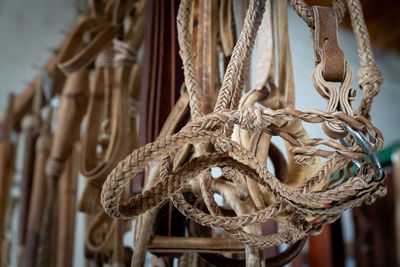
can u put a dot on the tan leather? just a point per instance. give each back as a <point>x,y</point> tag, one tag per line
<point>72,108</point>
<point>67,199</point>
<point>331,67</point>
<point>95,240</point>
<point>73,57</point>
<point>194,244</point>
<point>204,48</point>
<point>225,26</point>
<point>39,192</point>
<point>96,170</point>
<point>113,128</point>
<point>327,50</point>
<point>112,89</point>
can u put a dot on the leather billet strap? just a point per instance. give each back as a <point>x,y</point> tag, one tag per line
<point>327,50</point>
<point>331,67</point>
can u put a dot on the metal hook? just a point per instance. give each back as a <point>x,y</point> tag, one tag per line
<point>368,149</point>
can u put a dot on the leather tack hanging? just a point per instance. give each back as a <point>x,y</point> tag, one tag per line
<point>159,111</point>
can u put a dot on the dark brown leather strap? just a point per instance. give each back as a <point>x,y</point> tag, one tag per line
<point>162,72</point>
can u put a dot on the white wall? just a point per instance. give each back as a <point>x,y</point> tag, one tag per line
<point>29,28</point>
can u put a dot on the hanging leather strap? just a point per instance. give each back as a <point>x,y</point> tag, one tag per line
<point>67,212</point>
<point>327,50</point>
<point>331,67</point>
<point>72,108</point>
<point>162,76</point>
<point>39,192</point>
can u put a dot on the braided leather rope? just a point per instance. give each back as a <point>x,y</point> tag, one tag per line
<point>302,211</point>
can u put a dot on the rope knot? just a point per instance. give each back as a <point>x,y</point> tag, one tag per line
<point>106,58</point>
<point>125,55</point>
<point>370,78</point>
<point>254,117</point>
<point>222,145</point>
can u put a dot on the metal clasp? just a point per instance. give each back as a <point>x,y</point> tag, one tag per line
<point>368,149</point>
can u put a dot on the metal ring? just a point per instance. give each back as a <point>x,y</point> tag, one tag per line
<point>368,149</point>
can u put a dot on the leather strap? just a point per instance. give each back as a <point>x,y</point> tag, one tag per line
<point>265,50</point>
<point>39,192</point>
<point>73,57</point>
<point>331,67</point>
<point>162,76</point>
<point>225,26</point>
<point>95,240</point>
<point>204,49</point>
<point>67,212</point>
<point>70,114</point>
<point>327,50</point>
<point>114,82</point>
<point>119,141</point>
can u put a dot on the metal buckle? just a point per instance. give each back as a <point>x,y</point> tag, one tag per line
<point>368,149</point>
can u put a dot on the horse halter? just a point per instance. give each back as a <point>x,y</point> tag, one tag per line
<point>304,208</point>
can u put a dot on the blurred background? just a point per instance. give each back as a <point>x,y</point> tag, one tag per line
<point>29,30</point>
